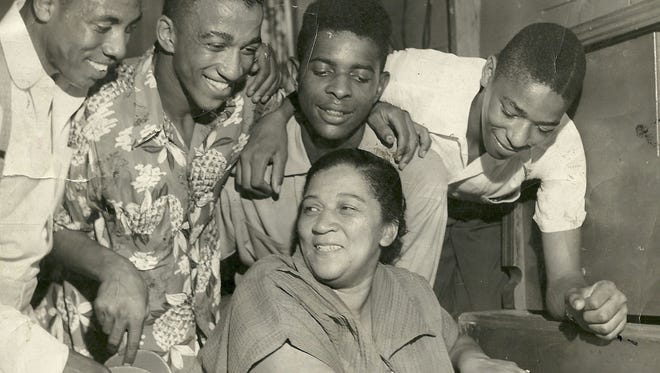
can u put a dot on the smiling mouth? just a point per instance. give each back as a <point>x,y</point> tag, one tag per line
<point>334,116</point>
<point>506,148</point>
<point>100,67</point>
<point>219,86</point>
<point>327,248</point>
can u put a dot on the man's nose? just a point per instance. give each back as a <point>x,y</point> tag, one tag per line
<point>231,68</point>
<point>115,44</point>
<point>339,87</point>
<point>519,134</point>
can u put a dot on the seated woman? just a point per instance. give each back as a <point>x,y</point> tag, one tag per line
<point>335,305</point>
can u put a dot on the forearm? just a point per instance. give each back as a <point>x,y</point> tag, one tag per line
<point>562,262</point>
<point>79,253</point>
<point>465,349</point>
<point>556,293</point>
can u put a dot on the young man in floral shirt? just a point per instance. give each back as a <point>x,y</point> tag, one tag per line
<point>152,150</point>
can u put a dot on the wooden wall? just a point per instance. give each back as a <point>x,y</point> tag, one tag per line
<point>501,19</point>
<point>408,22</point>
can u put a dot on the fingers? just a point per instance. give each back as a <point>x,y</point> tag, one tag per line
<point>268,77</point>
<point>251,174</point>
<point>602,292</point>
<point>258,179</point>
<point>612,328</point>
<point>116,333</point>
<point>577,298</point>
<point>277,174</point>
<point>424,140</point>
<point>406,139</point>
<point>133,343</point>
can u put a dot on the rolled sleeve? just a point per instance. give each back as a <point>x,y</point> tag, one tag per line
<point>25,347</point>
<point>563,173</point>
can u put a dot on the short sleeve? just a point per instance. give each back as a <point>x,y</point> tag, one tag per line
<point>77,210</point>
<point>561,168</point>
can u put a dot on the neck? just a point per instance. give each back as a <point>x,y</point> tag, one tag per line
<point>473,135</point>
<point>174,100</point>
<point>356,298</point>
<point>316,147</point>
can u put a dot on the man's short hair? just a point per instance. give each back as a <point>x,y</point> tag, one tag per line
<point>175,9</point>
<point>546,53</point>
<point>364,18</point>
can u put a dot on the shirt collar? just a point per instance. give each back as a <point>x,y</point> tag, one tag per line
<point>22,59</point>
<point>397,319</point>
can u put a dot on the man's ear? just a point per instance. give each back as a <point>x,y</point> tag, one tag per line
<point>292,67</point>
<point>488,72</point>
<point>382,84</point>
<point>165,34</point>
<point>389,234</point>
<point>45,9</point>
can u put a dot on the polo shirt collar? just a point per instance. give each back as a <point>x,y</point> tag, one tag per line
<point>22,59</point>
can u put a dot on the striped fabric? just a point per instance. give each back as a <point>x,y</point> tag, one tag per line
<point>279,300</point>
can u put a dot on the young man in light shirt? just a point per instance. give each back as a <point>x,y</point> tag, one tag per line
<point>496,123</point>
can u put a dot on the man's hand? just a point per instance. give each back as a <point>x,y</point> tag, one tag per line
<point>121,307</point>
<point>390,122</point>
<point>266,75</point>
<point>600,309</point>
<point>260,169</point>
<point>77,363</point>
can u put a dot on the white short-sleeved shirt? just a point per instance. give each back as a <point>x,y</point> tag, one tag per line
<point>437,90</point>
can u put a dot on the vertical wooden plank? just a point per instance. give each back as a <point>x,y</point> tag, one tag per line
<point>465,27</point>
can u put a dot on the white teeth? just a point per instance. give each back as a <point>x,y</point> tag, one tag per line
<point>334,112</point>
<point>327,248</point>
<point>99,66</point>
<point>217,85</point>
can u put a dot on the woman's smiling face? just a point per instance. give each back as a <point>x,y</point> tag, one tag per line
<point>341,228</point>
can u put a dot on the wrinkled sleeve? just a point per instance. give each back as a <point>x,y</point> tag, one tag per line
<point>78,211</point>
<point>262,318</point>
<point>424,184</point>
<point>560,200</point>
<point>25,347</point>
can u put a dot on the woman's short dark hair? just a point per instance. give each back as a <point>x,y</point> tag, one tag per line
<point>384,182</point>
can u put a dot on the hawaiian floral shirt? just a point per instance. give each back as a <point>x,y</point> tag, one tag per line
<point>136,188</point>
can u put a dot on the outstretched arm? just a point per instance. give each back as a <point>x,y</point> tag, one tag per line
<point>121,301</point>
<point>599,308</point>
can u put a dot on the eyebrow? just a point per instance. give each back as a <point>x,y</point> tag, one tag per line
<point>350,195</point>
<point>332,63</point>
<point>523,113</point>
<point>229,38</point>
<point>114,20</point>
<point>212,34</point>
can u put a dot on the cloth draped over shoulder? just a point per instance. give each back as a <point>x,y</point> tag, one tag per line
<point>279,301</point>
